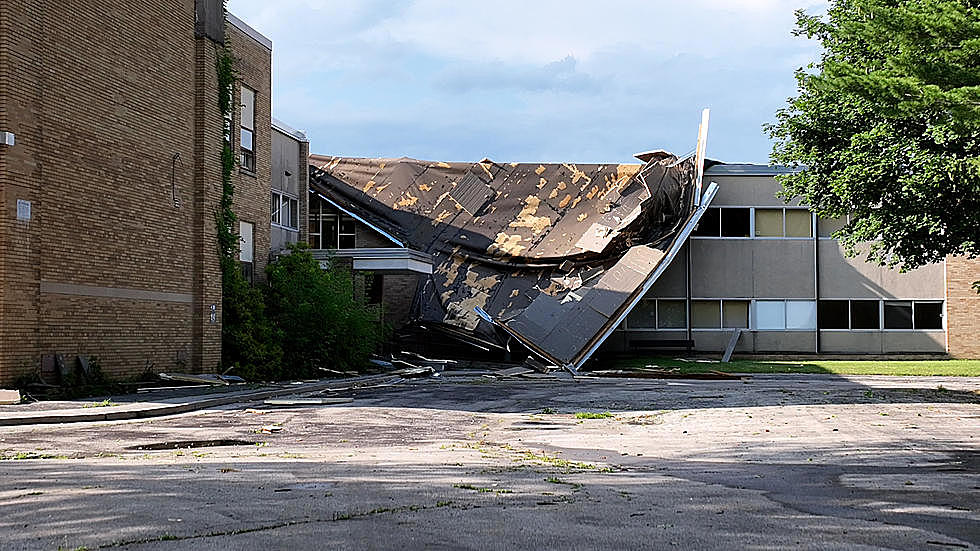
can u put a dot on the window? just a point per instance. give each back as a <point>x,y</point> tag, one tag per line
<point>770,314</point>
<point>735,314</point>
<point>735,222</point>
<point>710,223</point>
<point>788,222</point>
<point>778,315</point>
<point>285,211</point>
<point>706,314</point>
<point>671,314</point>
<point>373,288</point>
<point>644,316</point>
<point>928,315</point>
<point>247,144</point>
<point>801,314</point>
<point>246,249</point>
<point>898,314</point>
<point>768,222</point>
<point>329,232</point>
<point>799,223</point>
<point>346,233</point>
<point>833,314</point>
<point>865,314</point>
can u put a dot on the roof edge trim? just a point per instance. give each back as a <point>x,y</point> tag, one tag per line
<point>245,28</point>
<point>289,130</point>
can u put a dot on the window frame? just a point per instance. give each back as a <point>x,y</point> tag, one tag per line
<point>752,224</point>
<point>285,203</point>
<point>246,157</point>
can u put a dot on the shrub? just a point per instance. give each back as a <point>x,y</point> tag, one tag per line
<point>321,321</point>
<point>250,342</point>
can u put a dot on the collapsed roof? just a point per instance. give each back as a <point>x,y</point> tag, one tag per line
<point>553,255</point>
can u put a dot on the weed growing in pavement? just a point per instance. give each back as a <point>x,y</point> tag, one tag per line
<point>103,404</point>
<point>31,455</point>
<point>592,415</point>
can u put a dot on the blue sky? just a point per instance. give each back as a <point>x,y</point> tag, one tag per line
<point>513,80</point>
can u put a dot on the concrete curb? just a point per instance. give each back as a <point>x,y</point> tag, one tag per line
<point>148,410</point>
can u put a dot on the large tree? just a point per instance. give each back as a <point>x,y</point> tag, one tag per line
<point>887,127</point>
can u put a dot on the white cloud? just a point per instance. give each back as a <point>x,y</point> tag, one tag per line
<point>574,79</point>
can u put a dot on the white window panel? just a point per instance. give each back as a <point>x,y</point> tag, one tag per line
<point>770,315</point>
<point>248,108</point>
<point>801,314</point>
<point>247,244</point>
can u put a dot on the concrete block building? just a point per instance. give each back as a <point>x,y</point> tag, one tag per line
<point>772,269</point>
<point>110,174</point>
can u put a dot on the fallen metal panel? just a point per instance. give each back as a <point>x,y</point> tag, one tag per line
<point>675,248</point>
<point>551,253</point>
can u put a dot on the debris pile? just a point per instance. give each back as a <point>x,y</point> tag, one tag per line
<point>550,255</point>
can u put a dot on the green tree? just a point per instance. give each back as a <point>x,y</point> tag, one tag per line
<point>322,321</point>
<point>887,126</point>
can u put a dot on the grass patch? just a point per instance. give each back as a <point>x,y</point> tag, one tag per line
<point>592,415</point>
<point>103,404</point>
<point>960,368</point>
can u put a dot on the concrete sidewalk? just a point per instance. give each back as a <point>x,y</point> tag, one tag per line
<point>150,404</point>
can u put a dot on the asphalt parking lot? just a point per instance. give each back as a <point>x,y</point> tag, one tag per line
<point>467,462</point>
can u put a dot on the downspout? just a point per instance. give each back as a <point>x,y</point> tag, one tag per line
<point>816,281</point>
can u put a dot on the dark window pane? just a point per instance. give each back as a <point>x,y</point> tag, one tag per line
<point>864,314</point>
<point>709,224</point>
<point>832,314</point>
<point>898,314</point>
<point>346,242</point>
<point>293,213</point>
<point>644,316</point>
<point>928,315</point>
<point>329,231</point>
<point>346,224</point>
<point>375,288</point>
<point>671,314</point>
<point>315,241</point>
<point>734,222</point>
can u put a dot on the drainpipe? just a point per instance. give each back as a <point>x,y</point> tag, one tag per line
<point>816,281</point>
<point>688,291</point>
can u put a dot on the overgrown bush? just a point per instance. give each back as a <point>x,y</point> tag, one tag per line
<point>250,341</point>
<point>323,323</point>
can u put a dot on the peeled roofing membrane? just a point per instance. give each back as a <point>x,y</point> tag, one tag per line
<point>553,253</point>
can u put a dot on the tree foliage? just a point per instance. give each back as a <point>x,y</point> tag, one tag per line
<point>887,126</point>
<point>322,321</point>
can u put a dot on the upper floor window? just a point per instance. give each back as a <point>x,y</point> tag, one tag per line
<point>327,230</point>
<point>285,211</point>
<point>247,144</point>
<point>755,222</point>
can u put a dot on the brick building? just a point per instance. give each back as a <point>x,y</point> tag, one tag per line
<point>110,176</point>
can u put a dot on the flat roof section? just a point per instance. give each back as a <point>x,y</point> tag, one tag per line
<point>748,169</point>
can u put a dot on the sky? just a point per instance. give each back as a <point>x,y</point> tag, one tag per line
<point>531,80</point>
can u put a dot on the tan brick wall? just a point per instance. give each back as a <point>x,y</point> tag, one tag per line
<point>252,191</point>
<point>102,98</point>
<point>962,307</point>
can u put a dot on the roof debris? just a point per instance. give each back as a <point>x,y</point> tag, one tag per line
<point>552,255</point>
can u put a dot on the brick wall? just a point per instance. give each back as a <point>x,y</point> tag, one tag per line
<point>252,190</point>
<point>115,111</point>
<point>962,307</point>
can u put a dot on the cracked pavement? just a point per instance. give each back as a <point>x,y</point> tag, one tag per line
<point>465,462</point>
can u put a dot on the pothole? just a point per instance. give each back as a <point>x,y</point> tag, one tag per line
<point>185,444</point>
